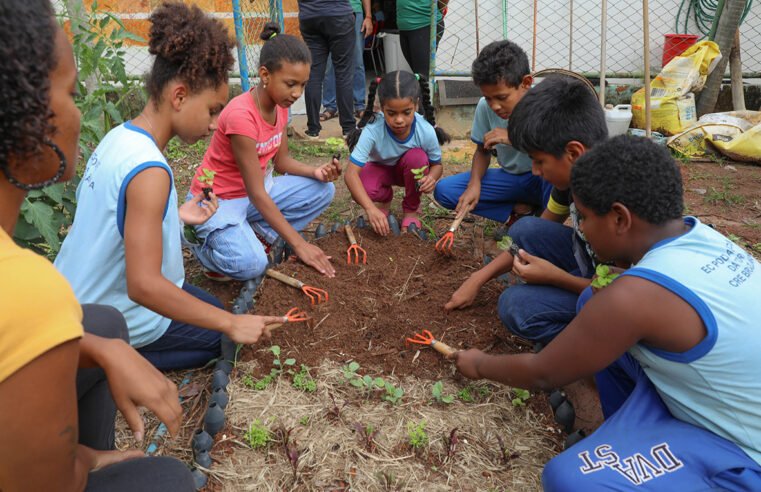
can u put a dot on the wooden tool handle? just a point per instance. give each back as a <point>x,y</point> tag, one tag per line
<point>457,222</point>
<point>272,326</point>
<point>284,278</point>
<point>350,234</point>
<point>442,348</point>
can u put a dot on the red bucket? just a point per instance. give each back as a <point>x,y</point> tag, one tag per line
<point>675,44</point>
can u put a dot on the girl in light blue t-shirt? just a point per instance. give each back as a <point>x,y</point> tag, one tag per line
<point>389,151</point>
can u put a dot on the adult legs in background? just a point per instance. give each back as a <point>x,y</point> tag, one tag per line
<point>500,190</point>
<point>416,47</point>
<point>641,446</point>
<point>184,346</point>
<point>359,92</point>
<point>334,36</point>
<point>299,199</point>
<point>156,474</point>
<point>540,312</point>
<point>96,408</point>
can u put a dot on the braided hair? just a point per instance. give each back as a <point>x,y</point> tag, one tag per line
<point>279,48</point>
<point>397,85</point>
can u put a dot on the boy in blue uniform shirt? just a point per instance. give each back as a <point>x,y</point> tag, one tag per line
<point>502,73</point>
<point>674,340</point>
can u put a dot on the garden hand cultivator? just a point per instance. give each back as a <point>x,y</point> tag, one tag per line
<point>294,315</point>
<point>444,245</point>
<point>315,295</point>
<point>426,338</point>
<point>354,248</point>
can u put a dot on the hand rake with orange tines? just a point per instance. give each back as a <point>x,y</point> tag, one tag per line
<point>314,294</point>
<point>294,315</point>
<point>444,245</point>
<point>426,338</point>
<point>354,248</point>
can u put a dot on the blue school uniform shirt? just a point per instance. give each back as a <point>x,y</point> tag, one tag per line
<point>715,385</point>
<point>508,157</point>
<point>377,144</point>
<point>92,256</point>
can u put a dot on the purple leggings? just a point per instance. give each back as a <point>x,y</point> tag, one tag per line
<point>378,179</point>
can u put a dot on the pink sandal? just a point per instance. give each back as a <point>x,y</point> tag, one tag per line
<point>411,220</point>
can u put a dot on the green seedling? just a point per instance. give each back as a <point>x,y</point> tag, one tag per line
<point>438,393</point>
<point>207,180</point>
<point>275,372</point>
<point>304,420</point>
<point>303,381</point>
<point>505,456</point>
<point>335,144</point>
<point>258,435</point>
<point>507,244</point>
<point>419,174</point>
<point>417,437</point>
<point>603,277</point>
<point>520,397</point>
<point>466,395</point>
<point>350,370</point>
<point>393,394</point>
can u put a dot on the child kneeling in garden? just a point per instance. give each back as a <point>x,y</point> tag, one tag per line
<point>674,340</point>
<point>255,208</point>
<point>388,151</point>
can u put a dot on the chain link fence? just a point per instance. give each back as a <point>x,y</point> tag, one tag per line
<point>568,34</point>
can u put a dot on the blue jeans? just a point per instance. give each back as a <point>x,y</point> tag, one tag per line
<point>500,190</point>
<point>641,446</point>
<point>540,312</point>
<point>229,242</point>
<point>183,346</point>
<point>358,88</point>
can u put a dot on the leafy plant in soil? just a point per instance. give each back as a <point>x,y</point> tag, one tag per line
<point>603,277</point>
<point>451,442</point>
<point>207,181</point>
<point>438,393</point>
<point>417,437</point>
<point>507,244</point>
<point>505,456</point>
<point>275,372</point>
<point>258,435</point>
<point>290,448</point>
<point>334,412</point>
<point>520,397</point>
<point>303,381</point>
<point>391,394</point>
<point>419,174</point>
<point>45,217</point>
<point>366,435</point>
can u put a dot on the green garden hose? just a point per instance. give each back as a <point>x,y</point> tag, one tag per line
<point>705,15</point>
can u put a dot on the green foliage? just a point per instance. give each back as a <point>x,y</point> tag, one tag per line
<point>417,437</point>
<point>466,395</point>
<point>505,243</point>
<point>520,397</point>
<point>304,420</point>
<point>335,144</point>
<point>177,150</point>
<point>603,277</point>
<point>207,177</point>
<point>369,384</point>
<point>275,372</point>
<point>419,173</point>
<point>98,42</point>
<point>438,394</point>
<point>45,218</point>
<point>393,394</point>
<point>303,381</point>
<point>258,435</point>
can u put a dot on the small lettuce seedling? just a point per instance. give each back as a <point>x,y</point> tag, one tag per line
<point>521,396</point>
<point>418,174</point>
<point>438,393</point>
<point>603,277</point>
<point>417,437</point>
<point>507,244</point>
<point>257,436</point>
<point>303,381</point>
<point>207,181</point>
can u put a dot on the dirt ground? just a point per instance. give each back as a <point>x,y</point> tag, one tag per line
<point>400,291</point>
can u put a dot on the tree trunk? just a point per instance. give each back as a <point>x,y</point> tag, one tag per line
<point>725,38</point>
<point>736,75</point>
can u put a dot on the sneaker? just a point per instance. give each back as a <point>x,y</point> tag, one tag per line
<point>216,276</point>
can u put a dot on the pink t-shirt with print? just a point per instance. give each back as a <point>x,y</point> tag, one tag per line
<point>239,117</point>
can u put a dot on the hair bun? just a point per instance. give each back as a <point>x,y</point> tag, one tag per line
<point>174,31</point>
<point>270,29</point>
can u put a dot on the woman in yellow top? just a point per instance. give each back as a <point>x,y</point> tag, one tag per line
<point>56,410</point>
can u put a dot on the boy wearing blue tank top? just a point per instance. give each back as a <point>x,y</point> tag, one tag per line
<point>673,341</point>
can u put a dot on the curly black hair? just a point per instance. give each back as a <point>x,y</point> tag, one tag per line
<point>27,56</point>
<point>632,171</point>
<point>500,61</point>
<point>279,48</point>
<point>558,110</point>
<point>188,45</point>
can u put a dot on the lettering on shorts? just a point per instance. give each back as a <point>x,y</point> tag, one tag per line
<point>637,469</point>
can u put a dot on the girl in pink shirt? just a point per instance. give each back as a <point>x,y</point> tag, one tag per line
<point>255,208</point>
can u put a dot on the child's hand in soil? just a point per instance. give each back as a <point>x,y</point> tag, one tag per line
<point>467,362</point>
<point>426,184</point>
<point>378,220</point>
<point>248,328</point>
<point>496,136</point>
<point>316,258</point>
<point>134,382</point>
<point>198,210</point>
<point>463,296</point>
<point>534,270</point>
<point>328,172</point>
